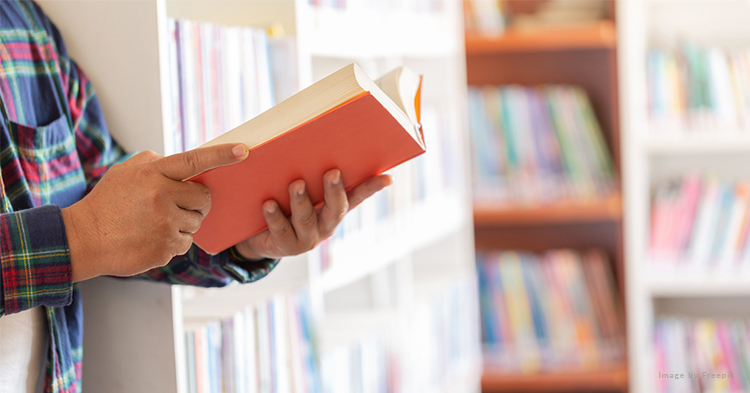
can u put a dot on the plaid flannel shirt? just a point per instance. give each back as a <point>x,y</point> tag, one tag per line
<point>54,147</point>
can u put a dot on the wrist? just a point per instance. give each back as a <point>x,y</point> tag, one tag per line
<point>246,252</point>
<point>82,258</point>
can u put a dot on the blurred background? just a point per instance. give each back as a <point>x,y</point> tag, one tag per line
<point>579,223</point>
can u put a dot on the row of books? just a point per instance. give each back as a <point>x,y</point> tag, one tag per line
<point>268,347</point>
<point>697,87</point>
<point>361,366</point>
<point>701,222</point>
<point>220,77</point>
<point>702,355</point>
<point>382,5</point>
<point>443,335</point>
<point>493,17</point>
<point>436,344</point>
<point>537,145</point>
<point>438,172</point>
<point>485,17</point>
<point>550,311</point>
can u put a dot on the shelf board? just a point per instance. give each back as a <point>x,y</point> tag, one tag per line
<point>612,378</point>
<point>374,249</point>
<point>409,34</point>
<point>594,35</point>
<point>215,303</point>
<point>697,142</point>
<point>607,209</point>
<point>698,284</point>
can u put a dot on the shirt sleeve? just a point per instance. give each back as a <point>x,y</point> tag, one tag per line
<point>199,268</point>
<point>34,260</point>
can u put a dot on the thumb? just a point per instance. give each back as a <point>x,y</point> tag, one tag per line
<point>190,163</point>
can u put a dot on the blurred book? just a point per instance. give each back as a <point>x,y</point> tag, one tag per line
<point>559,310</point>
<point>436,345</point>
<point>537,146</point>
<point>701,223</point>
<point>698,348</point>
<point>418,6</point>
<point>698,87</point>
<point>484,17</point>
<point>269,347</point>
<point>560,13</point>
<point>495,17</point>
<point>220,77</point>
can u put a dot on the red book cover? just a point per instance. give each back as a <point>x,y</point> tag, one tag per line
<point>359,137</point>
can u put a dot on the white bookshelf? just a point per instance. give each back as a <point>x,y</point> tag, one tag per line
<point>134,330</point>
<point>651,155</point>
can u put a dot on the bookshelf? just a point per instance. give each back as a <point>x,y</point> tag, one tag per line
<point>585,55</point>
<point>653,154</point>
<point>606,379</point>
<point>592,35</point>
<point>395,271</point>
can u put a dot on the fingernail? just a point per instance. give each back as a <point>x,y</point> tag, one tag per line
<point>239,150</point>
<point>301,190</point>
<point>271,209</point>
<point>337,179</point>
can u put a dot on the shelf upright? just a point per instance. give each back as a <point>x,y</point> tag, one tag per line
<point>585,55</point>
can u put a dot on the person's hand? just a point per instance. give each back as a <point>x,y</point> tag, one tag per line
<point>141,213</point>
<point>307,226</point>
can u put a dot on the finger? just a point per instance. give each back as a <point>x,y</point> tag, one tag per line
<point>142,157</point>
<point>365,190</point>
<point>182,243</point>
<point>278,225</point>
<point>193,196</point>
<point>188,221</point>
<point>336,203</point>
<point>304,219</point>
<point>190,163</point>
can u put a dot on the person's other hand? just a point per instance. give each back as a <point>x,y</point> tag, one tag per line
<point>307,226</point>
<point>142,213</point>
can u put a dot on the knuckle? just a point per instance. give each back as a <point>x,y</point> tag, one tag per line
<point>196,224</point>
<point>308,219</point>
<point>342,212</point>
<point>192,161</point>
<point>145,171</point>
<point>187,242</point>
<point>325,234</point>
<point>153,197</point>
<point>165,226</point>
<point>311,243</point>
<point>282,230</point>
<point>205,194</point>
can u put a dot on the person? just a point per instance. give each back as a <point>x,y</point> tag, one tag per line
<point>75,206</point>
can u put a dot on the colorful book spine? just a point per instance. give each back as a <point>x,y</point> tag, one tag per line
<point>220,77</point>
<point>551,311</point>
<point>537,146</point>
<point>251,352</point>
<point>701,223</point>
<point>695,87</point>
<point>711,355</point>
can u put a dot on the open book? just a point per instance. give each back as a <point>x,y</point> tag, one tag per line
<point>345,121</point>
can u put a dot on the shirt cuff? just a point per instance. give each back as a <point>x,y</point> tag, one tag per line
<point>247,270</point>
<point>35,265</point>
